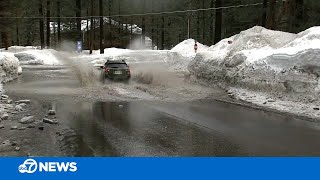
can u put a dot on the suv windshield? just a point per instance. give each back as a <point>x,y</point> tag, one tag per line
<point>118,65</point>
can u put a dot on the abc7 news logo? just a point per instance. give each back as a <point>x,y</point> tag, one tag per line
<point>29,166</point>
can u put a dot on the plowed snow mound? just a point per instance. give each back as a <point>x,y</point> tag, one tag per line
<point>186,48</point>
<point>38,57</point>
<point>8,67</point>
<point>264,60</point>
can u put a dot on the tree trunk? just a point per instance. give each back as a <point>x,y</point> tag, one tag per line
<point>54,35</point>
<point>88,33</point>
<point>17,32</point>
<point>296,12</point>
<point>143,39</point>
<point>189,23</point>
<point>41,24</point>
<point>48,23</point>
<point>152,26</point>
<point>203,24</point>
<point>91,28</point>
<point>198,26</point>
<point>5,40</point>
<point>78,15</point>
<point>272,15</point>
<point>264,13</point>
<point>110,22</point>
<point>162,30</point>
<point>94,34</point>
<point>157,39</point>
<point>218,23</point>
<point>59,22</point>
<point>162,33</point>
<point>211,24</point>
<point>120,19</point>
<point>101,27</point>
<point>131,30</point>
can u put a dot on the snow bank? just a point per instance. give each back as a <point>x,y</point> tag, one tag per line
<point>186,48</point>
<point>16,49</point>
<point>262,60</point>
<point>182,54</point>
<point>38,57</point>
<point>9,66</point>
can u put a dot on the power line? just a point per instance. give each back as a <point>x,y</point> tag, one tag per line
<point>143,14</point>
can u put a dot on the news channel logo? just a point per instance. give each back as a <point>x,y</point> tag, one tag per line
<point>31,166</point>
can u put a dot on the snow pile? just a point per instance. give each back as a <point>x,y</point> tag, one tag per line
<point>38,57</point>
<point>9,66</point>
<point>273,62</point>
<point>17,49</point>
<point>182,54</point>
<point>186,48</point>
<point>263,59</point>
<point>177,62</point>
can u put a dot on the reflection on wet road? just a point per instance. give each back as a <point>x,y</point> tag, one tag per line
<point>169,129</point>
<point>134,129</point>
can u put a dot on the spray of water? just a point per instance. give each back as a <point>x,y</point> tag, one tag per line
<point>85,72</point>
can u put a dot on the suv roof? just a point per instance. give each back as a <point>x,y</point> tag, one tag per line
<point>116,62</point>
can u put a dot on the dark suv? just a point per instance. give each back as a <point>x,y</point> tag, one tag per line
<point>116,70</point>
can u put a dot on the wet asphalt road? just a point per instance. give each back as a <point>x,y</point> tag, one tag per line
<point>156,128</point>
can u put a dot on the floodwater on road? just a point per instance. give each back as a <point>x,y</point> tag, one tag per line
<point>159,128</point>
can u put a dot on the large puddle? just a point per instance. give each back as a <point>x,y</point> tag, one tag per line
<point>154,128</point>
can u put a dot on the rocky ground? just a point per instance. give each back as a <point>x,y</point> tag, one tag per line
<point>26,130</point>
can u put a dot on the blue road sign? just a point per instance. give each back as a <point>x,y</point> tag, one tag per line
<point>79,46</point>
